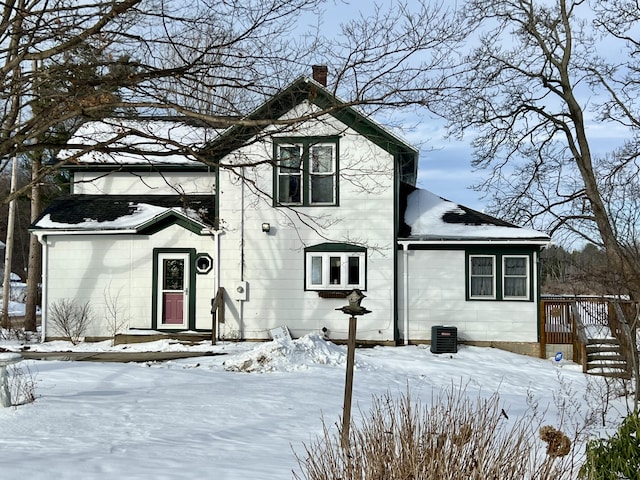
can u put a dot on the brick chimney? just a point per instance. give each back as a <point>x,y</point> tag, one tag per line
<point>320,74</point>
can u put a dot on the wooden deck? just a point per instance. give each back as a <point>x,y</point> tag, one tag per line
<point>592,326</point>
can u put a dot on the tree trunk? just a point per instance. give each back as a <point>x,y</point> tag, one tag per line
<point>34,267</point>
<point>6,285</point>
<point>617,255</point>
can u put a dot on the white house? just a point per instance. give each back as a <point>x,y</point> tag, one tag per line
<point>287,218</point>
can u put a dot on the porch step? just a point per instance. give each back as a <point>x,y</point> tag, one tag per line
<point>622,374</point>
<point>605,358</point>
<point>185,338</point>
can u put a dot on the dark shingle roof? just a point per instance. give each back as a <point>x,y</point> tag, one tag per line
<point>425,216</point>
<point>76,209</point>
<point>467,216</point>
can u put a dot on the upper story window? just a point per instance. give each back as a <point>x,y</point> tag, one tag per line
<point>499,277</point>
<point>306,171</point>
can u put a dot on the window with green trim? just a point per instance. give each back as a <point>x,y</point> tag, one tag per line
<point>482,276</point>
<point>335,267</point>
<point>499,277</point>
<point>515,277</point>
<point>306,171</point>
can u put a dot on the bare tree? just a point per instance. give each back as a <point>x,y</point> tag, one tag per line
<point>526,90</point>
<point>62,64</point>
<point>71,319</point>
<point>115,314</point>
<point>22,221</point>
<point>34,268</point>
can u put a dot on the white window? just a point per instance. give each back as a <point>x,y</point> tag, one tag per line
<point>482,276</point>
<point>335,270</point>
<point>306,172</point>
<point>499,277</point>
<point>515,277</point>
<point>322,174</point>
<point>290,174</point>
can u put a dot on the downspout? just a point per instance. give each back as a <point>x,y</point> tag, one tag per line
<point>405,290</point>
<point>45,285</point>
<point>536,296</point>
<point>216,236</point>
<point>216,239</point>
<point>241,307</point>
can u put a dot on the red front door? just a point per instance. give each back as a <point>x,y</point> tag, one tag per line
<point>173,298</point>
<point>173,309</point>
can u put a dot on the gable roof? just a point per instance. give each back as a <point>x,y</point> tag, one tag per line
<point>301,90</point>
<point>429,218</point>
<point>126,214</point>
<point>138,142</point>
<point>134,143</point>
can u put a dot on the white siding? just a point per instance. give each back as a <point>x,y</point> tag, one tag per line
<point>84,267</point>
<point>273,263</point>
<point>143,183</point>
<point>436,295</point>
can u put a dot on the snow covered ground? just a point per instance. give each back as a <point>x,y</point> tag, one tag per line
<point>241,415</point>
<point>17,292</point>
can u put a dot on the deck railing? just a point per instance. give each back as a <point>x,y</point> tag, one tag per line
<point>556,321</point>
<point>574,320</point>
<point>580,338</point>
<point>556,318</point>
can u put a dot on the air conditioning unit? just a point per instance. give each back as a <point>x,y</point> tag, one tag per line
<point>444,339</point>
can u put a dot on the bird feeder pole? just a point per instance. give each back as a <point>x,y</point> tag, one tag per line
<point>354,298</point>
<point>348,383</point>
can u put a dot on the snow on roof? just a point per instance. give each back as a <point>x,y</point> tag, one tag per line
<point>141,213</point>
<point>148,141</point>
<point>90,213</point>
<point>431,217</point>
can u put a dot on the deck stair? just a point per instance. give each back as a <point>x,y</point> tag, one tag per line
<point>606,358</point>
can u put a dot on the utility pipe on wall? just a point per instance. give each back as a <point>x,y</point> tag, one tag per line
<point>216,239</point>
<point>45,286</point>
<point>405,290</point>
<point>242,234</point>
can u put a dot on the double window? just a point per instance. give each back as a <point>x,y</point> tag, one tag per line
<point>335,267</point>
<point>306,171</point>
<point>499,277</point>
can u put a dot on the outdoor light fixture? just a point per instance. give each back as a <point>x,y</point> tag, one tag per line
<point>266,227</point>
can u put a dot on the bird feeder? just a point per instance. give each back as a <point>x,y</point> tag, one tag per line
<point>354,308</point>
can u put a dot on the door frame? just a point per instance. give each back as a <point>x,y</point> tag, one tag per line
<point>158,255</point>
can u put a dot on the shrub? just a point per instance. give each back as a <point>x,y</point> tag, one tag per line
<point>115,313</point>
<point>456,438</point>
<point>616,457</point>
<point>558,444</point>
<point>22,385</point>
<point>71,319</point>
